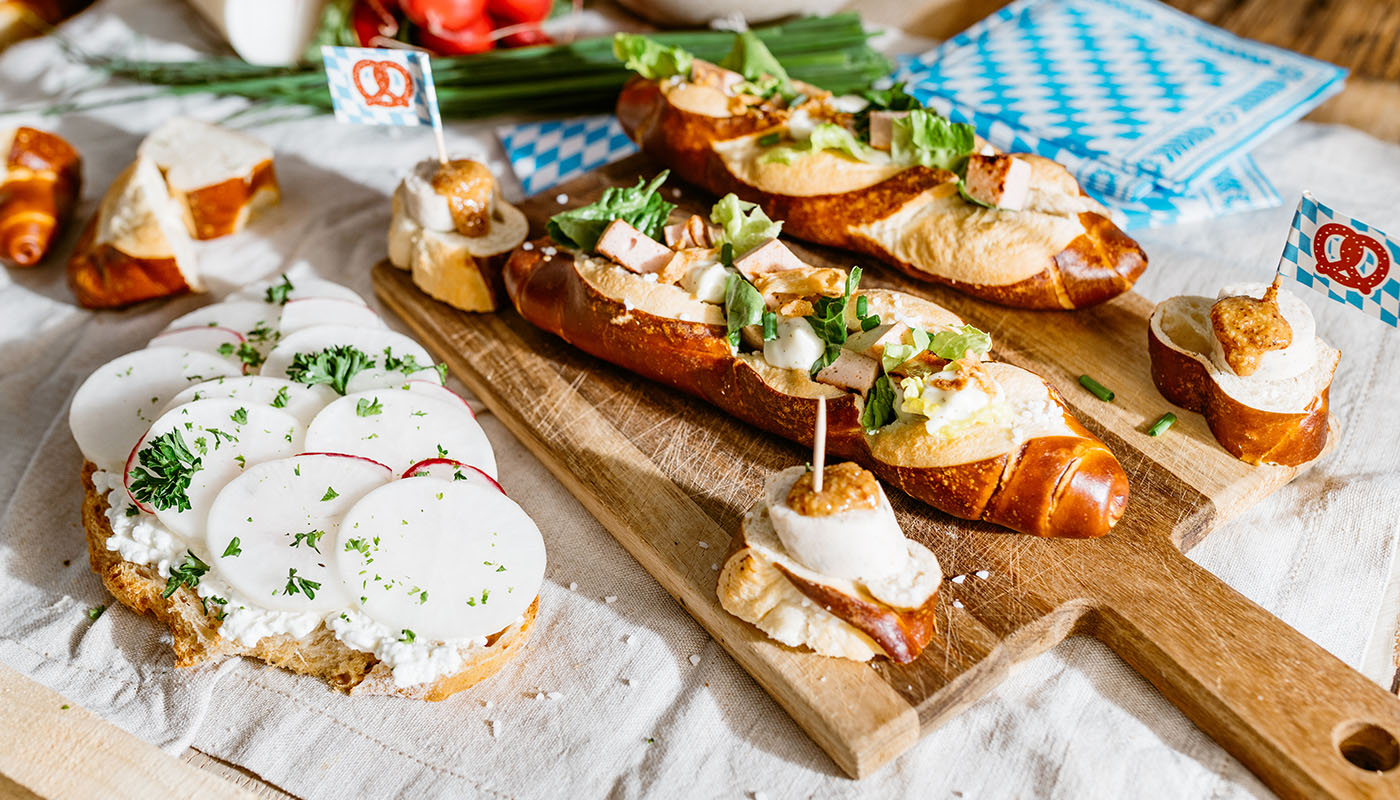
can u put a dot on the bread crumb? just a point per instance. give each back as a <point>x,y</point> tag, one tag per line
<point>555,695</point>
<point>493,725</point>
<point>704,545</point>
<point>959,578</point>
<point>561,198</point>
<point>573,587</point>
<point>983,574</point>
<point>487,704</point>
<point>714,567</point>
<point>957,604</point>
<point>612,598</point>
<point>695,661</point>
<point>627,638</point>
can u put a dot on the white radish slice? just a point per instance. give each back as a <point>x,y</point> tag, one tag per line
<point>302,402</point>
<point>120,399</point>
<point>454,559</point>
<point>212,432</point>
<point>243,316</point>
<point>301,288</point>
<point>380,378</point>
<point>222,342</point>
<point>312,311</point>
<point>400,429</point>
<point>448,469</point>
<point>373,342</point>
<point>434,389</point>
<point>284,515</point>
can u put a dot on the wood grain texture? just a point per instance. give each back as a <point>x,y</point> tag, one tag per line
<point>663,472</point>
<point>56,750</point>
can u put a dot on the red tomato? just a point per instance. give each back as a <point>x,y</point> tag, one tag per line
<point>369,19</point>
<point>522,38</point>
<point>440,16</point>
<point>514,12</point>
<point>475,38</point>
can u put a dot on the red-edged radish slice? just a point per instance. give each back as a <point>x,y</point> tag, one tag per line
<point>120,399</point>
<point>400,429</point>
<point>378,344</point>
<point>312,311</point>
<point>302,287</point>
<point>222,342</point>
<point>244,316</point>
<point>434,389</point>
<point>302,402</point>
<point>131,462</point>
<point>212,431</point>
<point>284,515</point>
<point>456,560</point>
<point>447,469</point>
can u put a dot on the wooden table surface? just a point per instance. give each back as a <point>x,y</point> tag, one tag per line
<point>1361,35</point>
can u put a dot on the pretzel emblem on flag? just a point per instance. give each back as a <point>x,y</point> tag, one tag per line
<point>1351,253</point>
<point>383,94</point>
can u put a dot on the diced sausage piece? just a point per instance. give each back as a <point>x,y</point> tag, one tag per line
<point>771,256</point>
<point>708,74</point>
<point>872,343</point>
<point>683,261</point>
<point>676,235</point>
<point>700,231</point>
<point>882,126</point>
<point>1000,180</point>
<point>632,249</point>
<point>780,287</point>
<point>851,371</point>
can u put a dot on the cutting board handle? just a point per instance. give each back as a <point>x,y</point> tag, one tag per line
<point>1307,724</point>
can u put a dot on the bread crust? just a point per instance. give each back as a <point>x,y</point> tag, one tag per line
<point>38,189</point>
<point>1063,486</point>
<point>1096,265</point>
<point>196,640</point>
<point>226,207</point>
<point>1253,435</point>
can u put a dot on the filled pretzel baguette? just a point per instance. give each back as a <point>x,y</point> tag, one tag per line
<point>39,184</point>
<point>975,438</point>
<point>1012,229</point>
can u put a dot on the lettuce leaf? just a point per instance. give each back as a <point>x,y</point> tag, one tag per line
<point>924,137</point>
<point>891,99</point>
<point>650,58</point>
<point>744,224</point>
<point>640,205</point>
<point>829,321</point>
<point>956,344</point>
<point>743,306</point>
<point>879,405</point>
<point>752,59</point>
<point>826,136</point>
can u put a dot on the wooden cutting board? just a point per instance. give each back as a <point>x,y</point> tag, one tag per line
<point>664,473</point>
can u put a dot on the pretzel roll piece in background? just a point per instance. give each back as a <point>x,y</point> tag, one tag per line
<point>39,186</point>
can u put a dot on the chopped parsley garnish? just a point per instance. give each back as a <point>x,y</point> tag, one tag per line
<point>242,462</point>
<point>246,353</point>
<point>368,408</point>
<point>458,476</point>
<point>407,636</point>
<point>310,538</point>
<point>187,574</point>
<point>333,366</point>
<point>233,549</point>
<point>407,364</point>
<point>132,511</point>
<point>357,546</point>
<point>95,612</point>
<point>442,451</point>
<point>261,333</point>
<point>280,401</point>
<point>297,584</point>
<point>280,293</point>
<point>165,468</point>
<point>330,494</point>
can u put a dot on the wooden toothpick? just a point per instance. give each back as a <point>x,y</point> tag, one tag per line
<point>819,446</point>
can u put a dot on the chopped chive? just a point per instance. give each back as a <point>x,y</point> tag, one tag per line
<point>1162,424</point>
<point>871,322</point>
<point>769,139</point>
<point>862,306</point>
<point>770,326</point>
<point>1099,390</point>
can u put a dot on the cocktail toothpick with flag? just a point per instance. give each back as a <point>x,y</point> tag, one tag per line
<point>372,86</point>
<point>1345,259</point>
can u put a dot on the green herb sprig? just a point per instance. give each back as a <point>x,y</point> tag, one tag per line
<point>165,468</point>
<point>333,366</point>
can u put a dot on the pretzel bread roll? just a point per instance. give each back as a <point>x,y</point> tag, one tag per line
<point>1040,473</point>
<point>39,186</point>
<point>219,178</point>
<point>1061,251</point>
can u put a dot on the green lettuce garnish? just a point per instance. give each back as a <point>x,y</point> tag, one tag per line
<point>924,137</point>
<point>744,224</point>
<point>829,321</point>
<point>956,344</point>
<point>879,405</point>
<point>760,68</point>
<point>743,306</point>
<point>826,136</point>
<point>650,58</point>
<point>641,206</point>
<point>891,99</point>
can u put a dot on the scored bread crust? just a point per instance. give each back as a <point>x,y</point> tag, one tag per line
<point>1066,485</point>
<point>1185,376</point>
<point>226,207</point>
<point>1100,263</point>
<point>38,187</point>
<point>196,638</point>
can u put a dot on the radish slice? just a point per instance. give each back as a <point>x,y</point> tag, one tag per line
<point>312,311</point>
<point>302,402</point>
<point>212,432</point>
<point>434,389</point>
<point>241,316</point>
<point>119,400</point>
<point>379,345</point>
<point>222,342</point>
<point>447,469</point>
<point>400,429</point>
<point>454,560</point>
<point>267,507</point>
<point>301,288</point>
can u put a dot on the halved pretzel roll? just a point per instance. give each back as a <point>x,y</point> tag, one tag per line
<point>135,247</point>
<point>219,178</point>
<point>1058,249</point>
<point>1023,462</point>
<point>39,184</point>
<point>1272,416</point>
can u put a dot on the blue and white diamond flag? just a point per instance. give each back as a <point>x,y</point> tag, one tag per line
<point>372,86</point>
<point>1345,259</point>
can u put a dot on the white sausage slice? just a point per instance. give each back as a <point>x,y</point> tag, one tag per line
<point>312,311</point>
<point>451,559</point>
<point>302,402</point>
<point>242,316</point>
<point>121,398</point>
<point>400,429</point>
<point>222,342</point>
<point>273,528</point>
<point>226,436</point>
<point>447,469</point>
<point>301,288</point>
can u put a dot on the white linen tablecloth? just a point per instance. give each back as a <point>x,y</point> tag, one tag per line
<point>636,718</point>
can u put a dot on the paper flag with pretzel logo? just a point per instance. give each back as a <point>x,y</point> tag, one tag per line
<point>381,87</point>
<point>1345,259</point>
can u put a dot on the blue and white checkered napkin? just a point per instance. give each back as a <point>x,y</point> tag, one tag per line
<point>1135,97</point>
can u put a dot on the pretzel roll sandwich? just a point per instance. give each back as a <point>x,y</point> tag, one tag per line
<point>731,315</point>
<point>453,231</point>
<point>829,568</point>
<point>1251,363</point>
<point>38,186</point>
<point>877,174</point>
